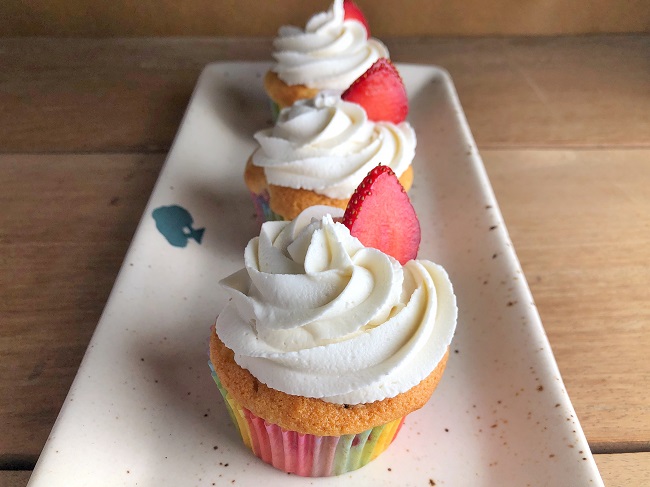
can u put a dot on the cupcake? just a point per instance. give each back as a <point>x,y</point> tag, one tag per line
<point>321,148</point>
<point>333,50</point>
<point>328,343</point>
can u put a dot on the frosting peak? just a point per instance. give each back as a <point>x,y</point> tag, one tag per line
<point>328,145</point>
<point>315,313</point>
<point>330,53</point>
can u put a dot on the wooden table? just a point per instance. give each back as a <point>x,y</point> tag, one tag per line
<point>563,125</point>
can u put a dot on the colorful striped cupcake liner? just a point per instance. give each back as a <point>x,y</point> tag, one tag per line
<point>304,454</point>
<point>263,208</point>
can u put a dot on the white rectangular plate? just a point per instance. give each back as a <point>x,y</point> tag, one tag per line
<point>143,409</point>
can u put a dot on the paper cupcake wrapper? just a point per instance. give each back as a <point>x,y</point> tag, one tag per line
<point>304,454</point>
<point>263,209</point>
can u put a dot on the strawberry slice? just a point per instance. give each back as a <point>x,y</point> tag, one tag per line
<point>381,92</point>
<point>353,12</point>
<point>381,216</point>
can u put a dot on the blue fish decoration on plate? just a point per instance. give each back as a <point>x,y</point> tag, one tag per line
<point>175,224</point>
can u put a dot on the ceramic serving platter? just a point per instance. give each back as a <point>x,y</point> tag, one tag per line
<point>143,409</point>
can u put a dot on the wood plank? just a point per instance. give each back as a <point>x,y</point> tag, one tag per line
<point>552,92</point>
<point>579,223</point>
<point>94,95</point>
<point>66,225</point>
<point>85,18</point>
<point>128,95</point>
<point>618,470</point>
<point>624,470</point>
<point>17,478</point>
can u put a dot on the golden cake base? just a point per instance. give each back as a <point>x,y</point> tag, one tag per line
<point>309,415</point>
<point>290,202</point>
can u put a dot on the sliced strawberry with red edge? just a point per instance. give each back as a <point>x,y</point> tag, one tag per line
<point>353,12</point>
<point>381,92</point>
<point>381,216</point>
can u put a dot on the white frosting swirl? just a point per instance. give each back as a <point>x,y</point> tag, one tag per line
<point>328,146</point>
<point>315,313</point>
<point>330,53</point>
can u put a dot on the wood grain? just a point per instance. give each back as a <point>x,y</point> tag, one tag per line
<point>624,470</point>
<point>579,223</point>
<point>17,478</point>
<point>66,225</point>
<point>84,18</point>
<point>129,95</point>
<point>581,92</point>
<point>90,95</point>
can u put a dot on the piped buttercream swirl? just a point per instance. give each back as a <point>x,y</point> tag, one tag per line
<point>315,313</point>
<point>328,145</point>
<point>330,53</point>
